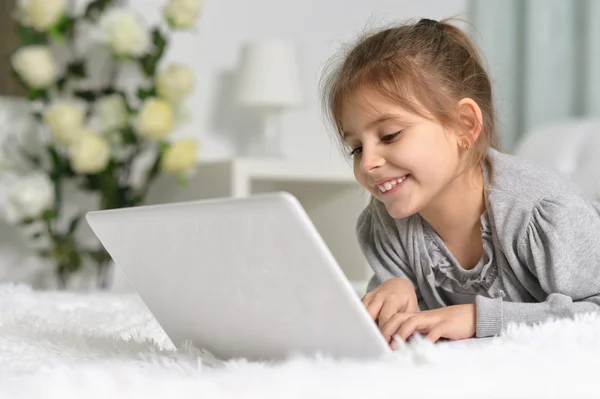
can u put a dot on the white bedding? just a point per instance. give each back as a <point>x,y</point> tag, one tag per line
<point>67,345</point>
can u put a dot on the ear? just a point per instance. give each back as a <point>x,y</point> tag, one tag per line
<point>472,120</point>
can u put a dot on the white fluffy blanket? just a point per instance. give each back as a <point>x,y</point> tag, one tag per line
<point>67,345</point>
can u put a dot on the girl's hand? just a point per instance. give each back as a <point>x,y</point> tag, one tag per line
<point>390,297</point>
<point>452,322</point>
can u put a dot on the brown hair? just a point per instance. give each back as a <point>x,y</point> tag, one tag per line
<point>430,64</point>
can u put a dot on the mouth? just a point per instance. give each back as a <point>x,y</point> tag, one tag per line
<point>392,185</point>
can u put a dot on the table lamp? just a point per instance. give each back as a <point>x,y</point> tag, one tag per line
<point>268,83</point>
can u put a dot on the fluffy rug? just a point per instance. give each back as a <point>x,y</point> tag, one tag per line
<point>68,345</point>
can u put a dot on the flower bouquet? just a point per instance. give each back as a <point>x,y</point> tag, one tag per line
<point>91,131</point>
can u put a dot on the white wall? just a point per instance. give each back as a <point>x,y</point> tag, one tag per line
<point>317,27</point>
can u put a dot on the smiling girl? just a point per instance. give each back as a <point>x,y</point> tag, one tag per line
<point>462,238</point>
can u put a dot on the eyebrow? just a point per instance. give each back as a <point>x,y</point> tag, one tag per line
<point>373,123</point>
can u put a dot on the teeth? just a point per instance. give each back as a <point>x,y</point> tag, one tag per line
<point>389,184</point>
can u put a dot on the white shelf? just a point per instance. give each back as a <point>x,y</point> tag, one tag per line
<point>276,169</point>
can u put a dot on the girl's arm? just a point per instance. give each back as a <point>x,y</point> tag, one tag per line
<point>561,247</point>
<point>382,249</point>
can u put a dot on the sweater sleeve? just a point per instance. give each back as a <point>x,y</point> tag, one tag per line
<point>382,247</point>
<point>561,247</point>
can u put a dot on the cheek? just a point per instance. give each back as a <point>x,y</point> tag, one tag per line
<point>358,174</point>
<point>439,147</point>
<point>432,160</point>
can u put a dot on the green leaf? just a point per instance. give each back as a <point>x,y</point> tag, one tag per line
<point>110,90</point>
<point>130,109</point>
<point>50,214</point>
<point>17,77</point>
<point>156,166</point>
<point>86,95</point>
<point>57,36</point>
<point>95,8</point>
<point>99,255</point>
<point>160,42</point>
<point>145,93</point>
<point>163,146</point>
<point>60,239</point>
<point>57,163</point>
<point>30,36</point>
<point>149,62</point>
<point>73,225</point>
<point>172,23</point>
<point>64,28</point>
<point>91,183</point>
<point>44,253</point>
<point>183,182</point>
<point>128,136</point>
<point>112,194</point>
<point>60,166</point>
<point>74,263</point>
<point>38,94</point>
<point>77,69</point>
<point>36,236</point>
<point>27,222</point>
<point>61,83</point>
<point>136,200</point>
<point>153,172</point>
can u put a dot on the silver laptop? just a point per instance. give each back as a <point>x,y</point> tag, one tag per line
<point>240,277</point>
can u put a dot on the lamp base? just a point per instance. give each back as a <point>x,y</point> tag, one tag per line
<point>267,144</point>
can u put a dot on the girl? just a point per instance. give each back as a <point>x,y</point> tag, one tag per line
<point>462,238</point>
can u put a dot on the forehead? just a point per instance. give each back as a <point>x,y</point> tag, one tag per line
<point>367,107</point>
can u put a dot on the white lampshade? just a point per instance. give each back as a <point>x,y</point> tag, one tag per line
<point>269,75</point>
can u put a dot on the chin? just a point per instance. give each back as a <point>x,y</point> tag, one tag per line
<point>399,212</point>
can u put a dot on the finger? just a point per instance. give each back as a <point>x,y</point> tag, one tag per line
<point>395,344</point>
<point>417,323</point>
<point>367,298</point>
<point>374,307</point>
<point>392,325</point>
<point>388,310</point>
<point>436,332</point>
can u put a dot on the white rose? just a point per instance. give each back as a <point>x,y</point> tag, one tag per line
<point>175,82</point>
<point>29,197</point>
<point>180,156</point>
<point>155,120</point>
<point>124,33</point>
<point>41,15</point>
<point>182,13</point>
<point>110,113</point>
<point>65,120</point>
<point>35,65</point>
<point>90,153</point>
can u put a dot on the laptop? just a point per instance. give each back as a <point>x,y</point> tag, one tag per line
<point>240,278</point>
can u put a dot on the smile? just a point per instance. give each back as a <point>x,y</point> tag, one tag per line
<point>391,185</point>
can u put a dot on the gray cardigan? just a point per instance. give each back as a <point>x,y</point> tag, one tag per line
<point>541,259</point>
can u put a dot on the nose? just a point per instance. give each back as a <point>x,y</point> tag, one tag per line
<point>370,160</point>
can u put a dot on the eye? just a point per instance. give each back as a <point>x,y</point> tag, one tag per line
<point>355,151</point>
<point>390,137</point>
